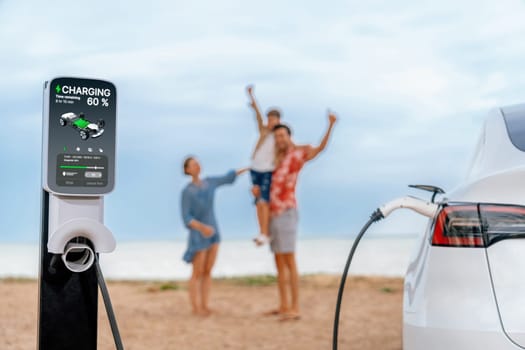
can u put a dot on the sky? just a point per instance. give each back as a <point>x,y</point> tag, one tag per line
<point>411,82</point>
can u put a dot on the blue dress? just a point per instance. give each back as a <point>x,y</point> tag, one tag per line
<point>197,204</point>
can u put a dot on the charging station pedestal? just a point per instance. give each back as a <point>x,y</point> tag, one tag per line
<point>78,169</point>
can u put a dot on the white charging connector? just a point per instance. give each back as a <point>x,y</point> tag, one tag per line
<point>420,206</point>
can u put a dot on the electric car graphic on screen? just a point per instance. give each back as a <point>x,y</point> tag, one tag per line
<point>465,283</point>
<point>85,128</point>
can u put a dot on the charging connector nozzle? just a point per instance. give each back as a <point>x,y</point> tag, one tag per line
<point>418,205</point>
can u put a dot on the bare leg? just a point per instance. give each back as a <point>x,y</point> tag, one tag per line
<point>211,256</point>
<point>196,276</point>
<point>256,191</point>
<point>281,282</point>
<point>289,259</point>
<point>263,216</point>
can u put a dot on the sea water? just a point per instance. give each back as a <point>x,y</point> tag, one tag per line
<point>162,260</point>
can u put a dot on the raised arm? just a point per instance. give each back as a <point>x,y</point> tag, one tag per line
<point>255,106</point>
<point>314,151</point>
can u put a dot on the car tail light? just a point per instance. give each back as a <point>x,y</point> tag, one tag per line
<point>478,225</point>
<point>502,222</point>
<point>458,226</point>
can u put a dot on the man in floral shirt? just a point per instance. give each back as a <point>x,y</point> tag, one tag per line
<point>283,209</point>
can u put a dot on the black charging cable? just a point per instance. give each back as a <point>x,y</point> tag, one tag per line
<point>376,216</point>
<point>109,307</point>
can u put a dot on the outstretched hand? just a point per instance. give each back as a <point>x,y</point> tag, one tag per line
<point>332,117</point>
<point>249,90</point>
<point>314,151</point>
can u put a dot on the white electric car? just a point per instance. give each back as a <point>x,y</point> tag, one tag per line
<point>85,128</point>
<point>465,284</point>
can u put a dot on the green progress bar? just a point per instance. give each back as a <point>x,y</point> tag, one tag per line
<point>73,167</point>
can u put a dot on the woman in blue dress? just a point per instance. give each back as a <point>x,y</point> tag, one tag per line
<point>204,236</point>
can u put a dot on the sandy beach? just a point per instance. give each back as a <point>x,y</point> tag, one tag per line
<point>157,315</point>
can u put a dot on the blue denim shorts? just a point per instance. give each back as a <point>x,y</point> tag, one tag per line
<point>264,181</point>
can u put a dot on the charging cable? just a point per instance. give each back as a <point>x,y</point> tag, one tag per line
<point>418,205</point>
<point>109,307</point>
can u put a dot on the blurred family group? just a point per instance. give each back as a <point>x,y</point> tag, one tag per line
<point>275,166</point>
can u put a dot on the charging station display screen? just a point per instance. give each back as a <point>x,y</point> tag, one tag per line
<point>79,136</point>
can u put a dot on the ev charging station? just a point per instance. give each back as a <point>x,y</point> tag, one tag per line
<point>78,169</point>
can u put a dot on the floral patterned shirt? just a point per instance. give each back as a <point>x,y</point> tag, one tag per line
<point>284,179</point>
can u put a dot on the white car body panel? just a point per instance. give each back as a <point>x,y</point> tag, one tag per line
<point>495,152</point>
<point>449,292</point>
<point>426,338</point>
<point>507,264</point>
